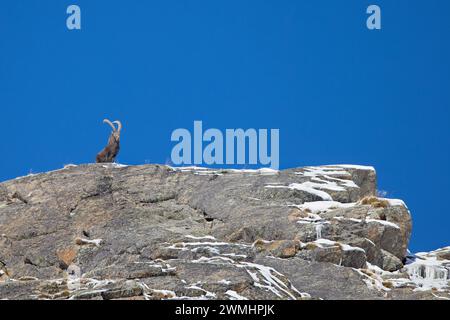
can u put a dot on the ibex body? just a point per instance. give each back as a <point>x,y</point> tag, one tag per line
<point>110,152</point>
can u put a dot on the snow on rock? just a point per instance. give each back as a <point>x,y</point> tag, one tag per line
<point>329,243</point>
<point>324,242</point>
<point>263,277</point>
<point>188,168</point>
<point>313,188</point>
<point>200,238</point>
<point>322,171</point>
<point>114,165</point>
<point>384,222</point>
<point>163,265</point>
<point>181,245</point>
<point>395,202</point>
<point>162,294</point>
<point>316,207</point>
<point>207,294</point>
<point>70,165</point>
<point>373,281</point>
<point>262,171</point>
<point>200,171</point>
<point>168,294</point>
<point>212,171</point>
<point>308,187</point>
<point>268,278</point>
<point>320,184</point>
<point>329,174</point>
<point>343,182</point>
<point>369,220</point>
<point>349,219</point>
<point>353,166</point>
<point>96,242</point>
<point>234,295</point>
<point>322,178</point>
<point>347,247</point>
<point>376,269</point>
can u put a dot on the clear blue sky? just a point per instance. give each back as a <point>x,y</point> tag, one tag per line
<point>338,92</point>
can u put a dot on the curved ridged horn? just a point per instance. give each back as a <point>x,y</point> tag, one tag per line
<point>119,125</point>
<point>110,123</point>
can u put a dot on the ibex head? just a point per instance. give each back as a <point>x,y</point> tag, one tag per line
<point>116,131</point>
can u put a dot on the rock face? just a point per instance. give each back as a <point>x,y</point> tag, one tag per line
<point>156,232</point>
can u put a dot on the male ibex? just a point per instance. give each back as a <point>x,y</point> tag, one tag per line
<point>110,152</point>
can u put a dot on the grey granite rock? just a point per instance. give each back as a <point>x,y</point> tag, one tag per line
<point>156,232</point>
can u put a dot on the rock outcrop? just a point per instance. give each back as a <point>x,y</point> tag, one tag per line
<point>156,232</point>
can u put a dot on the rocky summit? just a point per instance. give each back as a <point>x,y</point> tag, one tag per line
<point>156,232</point>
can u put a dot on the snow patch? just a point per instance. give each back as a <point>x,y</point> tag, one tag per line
<point>207,294</point>
<point>316,207</point>
<point>114,165</point>
<point>325,242</point>
<point>384,222</point>
<point>96,242</point>
<point>234,295</point>
<point>374,282</point>
<point>395,202</point>
<point>322,171</point>
<point>329,243</point>
<point>308,187</point>
<point>225,282</point>
<point>201,238</point>
<point>209,171</point>
<point>368,220</point>
<point>347,247</point>
<point>166,293</point>
<point>354,166</point>
<point>269,280</point>
<point>261,171</point>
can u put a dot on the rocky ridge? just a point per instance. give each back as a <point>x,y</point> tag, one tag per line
<point>157,232</point>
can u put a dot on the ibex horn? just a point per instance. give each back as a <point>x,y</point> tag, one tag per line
<point>119,125</point>
<point>110,123</point>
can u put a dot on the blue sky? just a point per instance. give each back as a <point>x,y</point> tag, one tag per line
<point>338,92</point>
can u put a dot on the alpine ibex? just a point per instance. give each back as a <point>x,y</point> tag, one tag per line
<point>110,152</point>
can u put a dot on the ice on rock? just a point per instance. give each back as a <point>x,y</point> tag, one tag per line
<point>319,228</point>
<point>428,272</point>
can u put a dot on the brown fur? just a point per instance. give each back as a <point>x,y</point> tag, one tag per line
<point>110,152</point>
